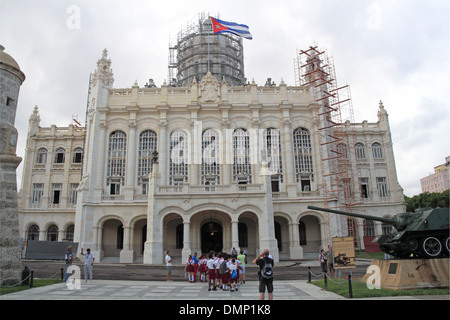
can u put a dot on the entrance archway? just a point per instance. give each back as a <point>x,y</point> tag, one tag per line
<point>211,237</point>
<point>112,238</point>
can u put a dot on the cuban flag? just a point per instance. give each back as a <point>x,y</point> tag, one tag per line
<point>220,26</point>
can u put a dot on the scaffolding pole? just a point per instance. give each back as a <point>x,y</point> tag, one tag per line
<point>333,113</point>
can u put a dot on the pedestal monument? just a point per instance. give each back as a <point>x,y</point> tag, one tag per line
<point>11,78</point>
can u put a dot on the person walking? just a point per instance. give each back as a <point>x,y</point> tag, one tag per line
<point>211,265</point>
<point>243,259</point>
<point>88,263</point>
<point>169,261</point>
<point>234,274</point>
<point>190,269</point>
<point>194,257</point>
<point>330,256</point>
<point>202,268</point>
<point>323,261</point>
<point>266,265</point>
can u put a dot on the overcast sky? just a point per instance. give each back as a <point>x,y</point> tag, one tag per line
<point>394,51</point>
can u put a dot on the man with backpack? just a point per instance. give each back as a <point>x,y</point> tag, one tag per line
<point>266,264</point>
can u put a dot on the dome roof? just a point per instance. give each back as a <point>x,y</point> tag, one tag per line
<point>6,59</point>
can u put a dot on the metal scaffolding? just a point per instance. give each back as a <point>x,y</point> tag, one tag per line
<point>197,50</point>
<point>333,114</point>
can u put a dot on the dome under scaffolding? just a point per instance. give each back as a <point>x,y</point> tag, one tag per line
<point>198,50</point>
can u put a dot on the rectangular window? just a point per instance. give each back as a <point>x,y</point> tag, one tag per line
<point>114,188</point>
<point>275,183</point>
<point>382,187</point>
<point>56,193</point>
<point>73,193</point>
<point>38,192</point>
<point>305,181</point>
<point>144,185</point>
<point>364,183</point>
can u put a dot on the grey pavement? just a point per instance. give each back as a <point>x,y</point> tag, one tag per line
<point>181,290</point>
<point>163,290</point>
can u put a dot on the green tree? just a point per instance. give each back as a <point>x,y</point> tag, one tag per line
<point>428,200</point>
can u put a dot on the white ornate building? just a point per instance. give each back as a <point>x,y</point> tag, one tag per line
<point>198,168</point>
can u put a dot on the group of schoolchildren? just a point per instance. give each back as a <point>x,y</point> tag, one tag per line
<point>222,270</point>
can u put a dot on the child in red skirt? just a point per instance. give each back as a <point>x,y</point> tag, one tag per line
<point>211,265</point>
<point>190,268</point>
<point>202,268</point>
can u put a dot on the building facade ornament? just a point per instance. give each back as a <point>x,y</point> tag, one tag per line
<point>209,89</point>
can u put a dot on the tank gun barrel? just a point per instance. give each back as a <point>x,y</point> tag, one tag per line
<point>357,215</point>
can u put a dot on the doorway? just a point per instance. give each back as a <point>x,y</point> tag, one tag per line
<point>211,237</point>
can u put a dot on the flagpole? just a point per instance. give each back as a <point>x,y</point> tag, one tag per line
<point>209,34</point>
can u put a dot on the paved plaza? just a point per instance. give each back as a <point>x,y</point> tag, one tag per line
<point>140,282</point>
<point>162,290</point>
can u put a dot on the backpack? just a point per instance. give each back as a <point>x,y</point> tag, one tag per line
<point>223,267</point>
<point>234,274</point>
<point>267,269</point>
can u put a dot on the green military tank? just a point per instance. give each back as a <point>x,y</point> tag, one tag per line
<point>420,234</point>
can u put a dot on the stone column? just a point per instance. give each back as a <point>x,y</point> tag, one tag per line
<point>153,252</point>
<point>235,234</point>
<point>266,223</point>
<point>295,250</point>
<point>186,241</point>
<point>162,155</point>
<point>130,163</point>
<point>11,78</point>
<point>127,254</point>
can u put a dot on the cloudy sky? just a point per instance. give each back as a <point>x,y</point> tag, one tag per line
<point>394,51</point>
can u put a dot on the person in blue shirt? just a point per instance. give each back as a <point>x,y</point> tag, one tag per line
<point>194,257</point>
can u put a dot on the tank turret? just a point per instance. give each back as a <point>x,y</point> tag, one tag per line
<point>420,234</point>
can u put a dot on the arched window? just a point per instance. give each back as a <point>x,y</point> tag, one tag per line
<point>377,151</point>
<point>77,155</point>
<point>360,151</point>
<point>210,157</point>
<point>60,154</point>
<point>116,161</point>
<point>52,233</point>
<point>69,232</point>
<point>242,168</point>
<point>303,157</point>
<point>271,153</point>
<point>33,233</point>
<point>41,156</point>
<point>147,154</point>
<point>342,150</point>
<point>179,153</point>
